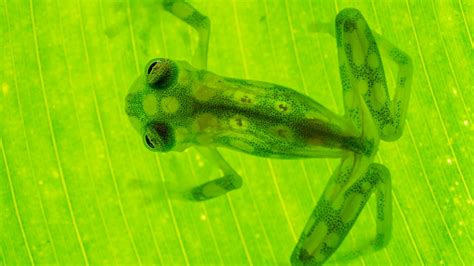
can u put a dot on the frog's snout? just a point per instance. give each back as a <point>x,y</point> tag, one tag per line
<point>128,108</point>
<point>133,104</point>
<point>133,98</point>
<point>133,109</point>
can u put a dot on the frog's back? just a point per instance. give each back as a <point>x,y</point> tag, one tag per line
<point>270,120</point>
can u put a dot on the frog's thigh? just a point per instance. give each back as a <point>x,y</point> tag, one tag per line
<point>331,221</point>
<point>360,65</point>
<point>362,73</point>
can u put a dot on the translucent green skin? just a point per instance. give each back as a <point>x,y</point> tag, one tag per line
<point>174,105</point>
<point>258,118</point>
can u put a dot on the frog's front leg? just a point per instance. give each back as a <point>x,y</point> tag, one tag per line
<point>217,187</point>
<point>339,207</point>
<point>198,21</point>
<point>202,24</point>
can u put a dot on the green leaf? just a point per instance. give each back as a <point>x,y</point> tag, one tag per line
<point>78,186</point>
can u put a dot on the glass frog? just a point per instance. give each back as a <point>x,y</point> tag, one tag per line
<point>175,105</point>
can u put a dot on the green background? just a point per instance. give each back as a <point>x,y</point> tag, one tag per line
<point>77,185</point>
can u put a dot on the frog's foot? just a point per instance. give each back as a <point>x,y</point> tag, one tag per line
<point>114,29</point>
<point>214,188</point>
<point>336,213</point>
<point>179,193</point>
<point>119,20</point>
<point>322,27</point>
<point>147,191</point>
<point>206,191</point>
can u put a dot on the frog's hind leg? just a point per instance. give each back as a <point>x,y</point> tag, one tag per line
<point>362,73</point>
<point>198,21</point>
<point>393,129</point>
<point>338,209</point>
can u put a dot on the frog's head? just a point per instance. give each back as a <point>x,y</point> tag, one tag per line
<point>158,103</point>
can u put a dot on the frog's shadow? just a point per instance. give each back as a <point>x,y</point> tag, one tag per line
<point>144,30</point>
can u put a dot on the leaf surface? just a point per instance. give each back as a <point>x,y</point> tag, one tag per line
<point>78,186</point>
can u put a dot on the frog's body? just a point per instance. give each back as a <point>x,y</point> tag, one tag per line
<point>259,118</point>
<point>175,106</point>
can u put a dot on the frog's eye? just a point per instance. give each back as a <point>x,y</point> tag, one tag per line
<point>161,73</point>
<point>158,137</point>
